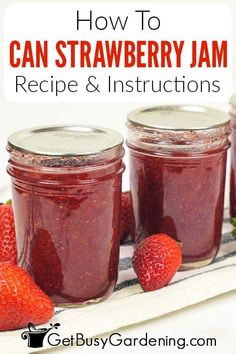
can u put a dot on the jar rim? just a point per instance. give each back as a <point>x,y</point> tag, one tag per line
<point>65,140</point>
<point>176,117</point>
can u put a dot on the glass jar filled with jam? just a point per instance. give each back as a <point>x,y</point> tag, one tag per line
<point>177,175</point>
<point>233,157</point>
<point>66,183</point>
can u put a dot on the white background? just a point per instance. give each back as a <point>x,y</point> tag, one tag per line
<point>213,318</point>
<point>61,24</point>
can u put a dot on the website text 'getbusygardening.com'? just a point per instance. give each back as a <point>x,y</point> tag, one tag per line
<point>117,340</point>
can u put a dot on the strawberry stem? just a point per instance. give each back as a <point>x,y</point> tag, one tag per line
<point>233,233</point>
<point>233,222</point>
<point>9,202</point>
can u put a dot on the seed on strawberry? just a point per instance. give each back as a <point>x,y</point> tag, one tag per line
<point>125,216</point>
<point>8,251</point>
<point>21,300</point>
<point>156,260</point>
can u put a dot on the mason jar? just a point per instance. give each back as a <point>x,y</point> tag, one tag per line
<point>66,185</point>
<point>233,157</point>
<point>177,160</point>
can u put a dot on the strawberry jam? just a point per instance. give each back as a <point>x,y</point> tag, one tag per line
<point>233,158</point>
<point>177,173</point>
<point>66,184</point>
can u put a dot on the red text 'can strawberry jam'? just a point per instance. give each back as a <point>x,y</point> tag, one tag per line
<point>177,173</point>
<point>66,183</point>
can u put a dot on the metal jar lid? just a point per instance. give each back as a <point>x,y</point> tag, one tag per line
<point>65,140</point>
<point>179,117</point>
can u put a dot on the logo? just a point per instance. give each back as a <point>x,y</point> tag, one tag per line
<point>36,336</point>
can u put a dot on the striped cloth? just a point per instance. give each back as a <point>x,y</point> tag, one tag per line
<point>130,305</point>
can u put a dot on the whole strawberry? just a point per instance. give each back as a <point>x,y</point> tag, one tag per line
<point>156,260</point>
<point>8,251</point>
<point>125,215</point>
<point>21,300</point>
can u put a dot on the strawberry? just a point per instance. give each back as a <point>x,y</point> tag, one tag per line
<point>156,260</point>
<point>21,300</point>
<point>125,215</point>
<point>8,251</point>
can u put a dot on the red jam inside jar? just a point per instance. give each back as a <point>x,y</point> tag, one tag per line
<point>66,183</point>
<point>233,158</point>
<point>177,175</point>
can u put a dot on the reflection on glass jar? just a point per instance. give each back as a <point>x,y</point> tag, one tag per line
<point>66,183</point>
<point>177,175</point>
